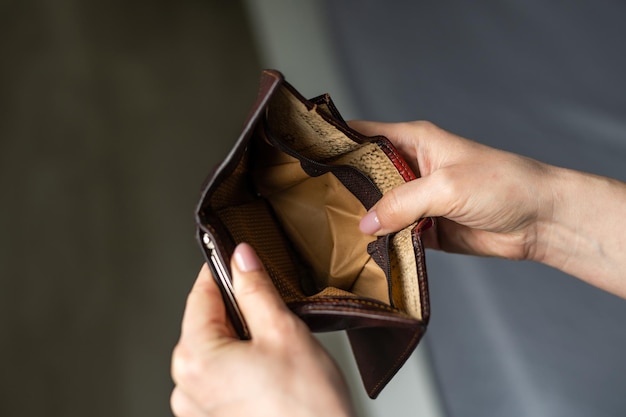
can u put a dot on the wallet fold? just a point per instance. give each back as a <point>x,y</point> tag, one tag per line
<point>295,186</point>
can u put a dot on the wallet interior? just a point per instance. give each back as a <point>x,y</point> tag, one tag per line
<point>304,225</point>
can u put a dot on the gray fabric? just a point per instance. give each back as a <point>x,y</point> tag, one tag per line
<point>543,80</point>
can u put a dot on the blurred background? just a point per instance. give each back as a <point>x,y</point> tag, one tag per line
<point>112,114</point>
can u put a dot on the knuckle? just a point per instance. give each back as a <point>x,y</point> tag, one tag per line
<point>283,329</point>
<point>179,403</point>
<point>193,297</point>
<point>424,127</point>
<point>424,124</point>
<point>186,367</point>
<point>255,284</point>
<point>389,208</point>
<point>195,373</point>
<point>449,187</point>
<point>445,178</point>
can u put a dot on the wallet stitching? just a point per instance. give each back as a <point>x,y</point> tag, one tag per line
<point>339,301</point>
<point>358,310</point>
<point>386,270</point>
<point>421,275</point>
<point>401,359</point>
<point>405,171</point>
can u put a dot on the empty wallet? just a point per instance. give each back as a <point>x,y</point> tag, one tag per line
<point>295,186</point>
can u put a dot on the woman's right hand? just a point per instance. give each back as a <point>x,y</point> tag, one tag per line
<point>489,202</point>
<point>495,203</point>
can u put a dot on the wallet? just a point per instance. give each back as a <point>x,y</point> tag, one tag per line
<point>295,186</point>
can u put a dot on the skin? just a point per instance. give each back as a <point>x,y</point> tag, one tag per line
<point>282,371</point>
<point>495,203</point>
<point>487,203</point>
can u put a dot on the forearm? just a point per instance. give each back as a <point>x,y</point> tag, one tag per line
<point>585,233</point>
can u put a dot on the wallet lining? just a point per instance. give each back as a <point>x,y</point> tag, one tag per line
<point>272,188</point>
<point>306,132</point>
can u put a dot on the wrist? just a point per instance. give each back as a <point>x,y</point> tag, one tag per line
<point>547,222</point>
<point>580,233</point>
<point>559,223</point>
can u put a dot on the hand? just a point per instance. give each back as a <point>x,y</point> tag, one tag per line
<point>282,371</point>
<point>490,202</point>
<point>495,203</point>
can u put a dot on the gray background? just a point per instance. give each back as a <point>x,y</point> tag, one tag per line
<point>112,113</point>
<point>545,79</point>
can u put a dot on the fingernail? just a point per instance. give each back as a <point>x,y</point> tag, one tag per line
<point>369,223</point>
<point>246,258</point>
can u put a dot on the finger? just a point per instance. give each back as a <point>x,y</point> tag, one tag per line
<point>205,314</point>
<point>391,131</point>
<point>407,137</point>
<point>423,145</point>
<point>402,135</point>
<point>369,128</point>
<point>403,205</point>
<point>456,238</point>
<point>257,297</point>
<point>450,236</point>
<point>183,406</point>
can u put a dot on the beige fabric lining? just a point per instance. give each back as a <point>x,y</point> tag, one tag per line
<point>318,217</point>
<point>306,132</point>
<point>405,286</point>
<point>321,217</point>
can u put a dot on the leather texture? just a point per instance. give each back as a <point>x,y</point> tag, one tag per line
<point>294,186</point>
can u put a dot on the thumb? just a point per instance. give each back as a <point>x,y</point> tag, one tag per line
<point>403,205</point>
<point>256,295</point>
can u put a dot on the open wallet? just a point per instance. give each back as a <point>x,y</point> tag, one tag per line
<point>295,186</point>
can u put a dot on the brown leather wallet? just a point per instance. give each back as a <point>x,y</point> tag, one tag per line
<point>295,186</point>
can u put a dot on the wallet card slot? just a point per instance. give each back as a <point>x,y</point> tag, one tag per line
<point>384,304</point>
<point>367,167</point>
<point>355,181</point>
